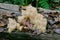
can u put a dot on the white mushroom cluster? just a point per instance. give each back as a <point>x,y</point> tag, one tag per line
<point>30,19</point>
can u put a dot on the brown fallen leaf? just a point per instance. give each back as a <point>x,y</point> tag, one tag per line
<point>59,19</point>
<point>6,13</point>
<point>2,23</point>
<point>53,14</point>
<point>59,25</point>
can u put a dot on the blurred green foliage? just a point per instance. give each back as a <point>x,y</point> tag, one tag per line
<point>17,2</point>
<point>36,3</point>
<point>22,2</point>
